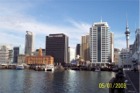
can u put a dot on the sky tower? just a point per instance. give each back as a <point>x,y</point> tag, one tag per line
<point>127,33</point>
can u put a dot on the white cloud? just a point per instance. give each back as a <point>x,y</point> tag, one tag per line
<point>75,31</point>
<point>23,24</point>
<point>15,20</point>
<point>80,25</point>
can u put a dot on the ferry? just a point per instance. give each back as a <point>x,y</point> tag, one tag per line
<point>49,67</point>
<point>19,67</point>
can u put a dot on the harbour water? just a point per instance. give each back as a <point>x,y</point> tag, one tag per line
<point>29,81</point>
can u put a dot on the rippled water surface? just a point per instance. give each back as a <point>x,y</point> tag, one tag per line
<point>28,81</point>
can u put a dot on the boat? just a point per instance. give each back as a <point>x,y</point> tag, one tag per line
<point>97,69</point>
<point>19,67</point>
<point>39,68</point>
<point>59,68</point>
<point>49,67</point>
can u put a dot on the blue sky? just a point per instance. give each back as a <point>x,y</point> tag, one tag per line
<point>71,17</point>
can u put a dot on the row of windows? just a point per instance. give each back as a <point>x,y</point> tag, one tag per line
<point>103,34</point>
<point>103,39</point>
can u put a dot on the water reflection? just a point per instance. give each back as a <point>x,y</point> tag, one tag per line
<point>27,81</point>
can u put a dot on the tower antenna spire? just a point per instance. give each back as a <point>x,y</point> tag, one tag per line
<point>126,21</point>
<point>101,19</point>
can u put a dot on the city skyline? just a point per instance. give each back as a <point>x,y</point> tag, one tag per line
<point>73,18</point>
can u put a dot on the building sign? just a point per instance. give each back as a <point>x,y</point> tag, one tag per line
<point>58,35</point>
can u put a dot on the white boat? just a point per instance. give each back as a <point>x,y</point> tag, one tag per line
<point>49,67</point>
<point>19,67</point>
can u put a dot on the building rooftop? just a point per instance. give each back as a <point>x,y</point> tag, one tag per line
<point>29,32</point>
<point>101,24</point>
<point>57,35</point>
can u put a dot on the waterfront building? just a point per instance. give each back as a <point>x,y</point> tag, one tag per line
<point>39,59</point>
<point>4,55</point>
<point>136,48</point>
<point>77,50</point>
<point>28,43</point>
<point>125,58</point>
<point>57,46</point>
<point>100,53</point>
<point>16,53</point>
<point>21,59</point>
<point>116,56</point>
<point>136,45</point>
<point>84,53</point>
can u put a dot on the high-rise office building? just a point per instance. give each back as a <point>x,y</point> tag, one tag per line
<point>28,43</point>
<point>57,46</point>
<point>84,53</point>
<point>16,53</point>
<point>116,55</point>
<point>78,49</point>
<point>100,43</point>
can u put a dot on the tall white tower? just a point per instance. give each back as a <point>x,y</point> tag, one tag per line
<point>28,43</point>
<point>100,43</point>
<point>127,33</point>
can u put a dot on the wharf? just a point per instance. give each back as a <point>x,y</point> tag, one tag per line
<point>83,68</point>
<point>133,81</point>
<point>12,66</point>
